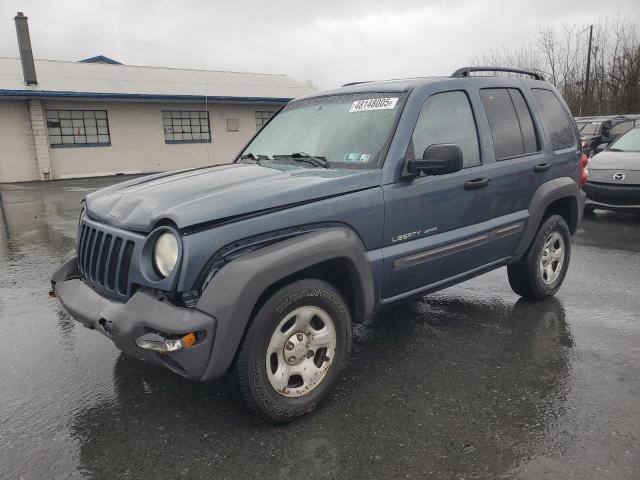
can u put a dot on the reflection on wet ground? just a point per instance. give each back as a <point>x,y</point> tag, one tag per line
<point>468,383</point>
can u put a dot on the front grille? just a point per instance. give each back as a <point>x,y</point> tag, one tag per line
<point>620,195</point>
<point>104,257</point>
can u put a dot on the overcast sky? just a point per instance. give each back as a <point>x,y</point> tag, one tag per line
<point>328,42</point>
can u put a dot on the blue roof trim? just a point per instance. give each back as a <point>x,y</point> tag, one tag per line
<point>140,96</point>
<point>100,58</point>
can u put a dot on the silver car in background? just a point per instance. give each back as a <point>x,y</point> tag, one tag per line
<point>614,175</point>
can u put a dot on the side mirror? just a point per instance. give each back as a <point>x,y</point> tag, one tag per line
<point>601,147</point>
<point>437,159</point>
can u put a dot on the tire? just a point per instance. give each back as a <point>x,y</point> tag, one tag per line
<point>533,276</point>
<point>285,366</point>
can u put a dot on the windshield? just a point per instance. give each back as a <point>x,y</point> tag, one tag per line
<point>629,142</point>
<point>342,131</point>
<point>588,128</point>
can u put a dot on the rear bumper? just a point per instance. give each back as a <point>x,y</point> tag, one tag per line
<point>143,312</point>
<point>613,197</point>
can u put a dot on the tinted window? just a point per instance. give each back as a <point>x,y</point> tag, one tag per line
<point>447,118</point>
<point>529,139</point>
<point>503,121</point>
<point>555,119</point>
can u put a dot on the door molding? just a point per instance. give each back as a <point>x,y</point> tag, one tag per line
<point>432,254</point>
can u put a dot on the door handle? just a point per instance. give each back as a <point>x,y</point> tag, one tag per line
<point>543,167</point>
<point>476,183</point>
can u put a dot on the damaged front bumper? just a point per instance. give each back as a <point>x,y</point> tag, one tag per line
<point>145,313</point>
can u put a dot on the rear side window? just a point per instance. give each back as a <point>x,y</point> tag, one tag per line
<point>447,118</point>
<point>555,119</point>
<point>510,121</point>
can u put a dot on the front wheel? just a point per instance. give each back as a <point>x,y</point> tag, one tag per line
<point>294,350</point>
<point>540,273</point>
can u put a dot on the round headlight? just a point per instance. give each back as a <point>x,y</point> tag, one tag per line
<point>165,253</point>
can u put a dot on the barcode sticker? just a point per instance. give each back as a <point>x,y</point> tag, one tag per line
<point>373,104</point>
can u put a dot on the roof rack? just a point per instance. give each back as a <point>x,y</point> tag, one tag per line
<point>466,71</point>
<point>355,83</point>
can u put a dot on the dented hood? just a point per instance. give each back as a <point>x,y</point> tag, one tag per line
<point>192,197</point>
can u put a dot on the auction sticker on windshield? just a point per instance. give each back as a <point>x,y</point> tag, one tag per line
<point>373,104</point>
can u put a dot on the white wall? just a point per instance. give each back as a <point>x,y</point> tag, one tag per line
<point>17,151</point>
<point>137,139</point>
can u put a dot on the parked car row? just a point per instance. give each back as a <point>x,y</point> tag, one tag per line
<point>614,174</point>
<point>595,131</point>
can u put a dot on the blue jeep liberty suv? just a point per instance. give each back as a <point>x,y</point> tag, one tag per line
<point>346,202</point>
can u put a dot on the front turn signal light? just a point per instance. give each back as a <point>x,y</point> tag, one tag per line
<point>158,343</point>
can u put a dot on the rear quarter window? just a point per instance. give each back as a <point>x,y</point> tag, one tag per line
<point>555,119</point>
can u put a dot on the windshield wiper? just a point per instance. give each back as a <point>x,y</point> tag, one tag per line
<point>254,157</point>
<point>305,157</point>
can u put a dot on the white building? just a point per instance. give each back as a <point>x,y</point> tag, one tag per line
<point>98,117</point>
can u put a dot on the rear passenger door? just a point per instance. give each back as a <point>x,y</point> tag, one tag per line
<point>520,164</point>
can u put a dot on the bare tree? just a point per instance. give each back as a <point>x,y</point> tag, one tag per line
<point>560,55</point>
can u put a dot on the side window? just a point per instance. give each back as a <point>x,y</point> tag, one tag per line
<point>621,128</point>
<point>555,119</point>
<point>529,138</point>
<point>510,121</point>
<point>447,118</point>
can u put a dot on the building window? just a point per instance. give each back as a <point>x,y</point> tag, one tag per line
<point>186,126</point>
<point>232,125</point>
<point>262,117</point>
<point>78,128</point>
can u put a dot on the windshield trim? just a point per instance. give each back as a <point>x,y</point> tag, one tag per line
<point>403,95</point>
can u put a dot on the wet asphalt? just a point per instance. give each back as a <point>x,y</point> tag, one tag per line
<point>470,382</point>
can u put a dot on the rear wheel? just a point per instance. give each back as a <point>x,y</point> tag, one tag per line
<point>294,351</point>
<point>540,273</point>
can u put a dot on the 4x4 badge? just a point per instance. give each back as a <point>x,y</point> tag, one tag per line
<point>619,176</point>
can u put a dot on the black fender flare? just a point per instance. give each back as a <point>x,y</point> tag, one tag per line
<point>232,294</point>
<point>545,195</point>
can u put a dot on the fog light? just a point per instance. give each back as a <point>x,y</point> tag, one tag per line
<point>156,342</point>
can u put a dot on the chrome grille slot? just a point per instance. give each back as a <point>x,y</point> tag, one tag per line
<point>104,257</point>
